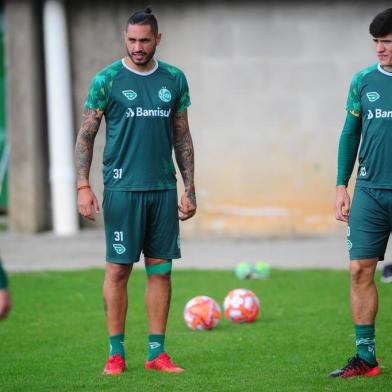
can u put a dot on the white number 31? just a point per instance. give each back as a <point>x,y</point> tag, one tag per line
<point>117,173</point>
<point>118,236</point>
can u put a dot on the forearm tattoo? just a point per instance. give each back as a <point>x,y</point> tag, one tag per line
<point>183,148</point>
<point>85,142</point>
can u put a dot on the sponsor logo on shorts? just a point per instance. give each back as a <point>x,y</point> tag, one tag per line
<point>349,244</point>
<point>164,94</point>
<point>140,112</point>
<point>362,171</point>
<point>130,94</point>
<point>119,248</point>
<point>373,96</point>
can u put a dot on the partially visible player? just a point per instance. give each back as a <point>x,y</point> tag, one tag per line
<point>369,117</point>
<point>145,103</point>
<point>386,276</point>
<point>5,299</point>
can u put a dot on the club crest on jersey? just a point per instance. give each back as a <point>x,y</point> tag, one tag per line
<point>119,248</point>
<point>130,94</point>
<point>164,94</point>
<point>373,96</point>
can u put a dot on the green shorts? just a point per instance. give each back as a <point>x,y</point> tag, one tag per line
<point>141,221</point>
<point>3,278</point>
<point>370,223</point>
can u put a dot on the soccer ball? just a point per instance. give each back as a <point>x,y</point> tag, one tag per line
<point>241,306</point>
<point>243,270</point>
<point>202,313</point>
<point>261,270</point>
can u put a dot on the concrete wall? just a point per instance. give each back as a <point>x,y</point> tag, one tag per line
<point>268,84</point>
<point>29,204</point>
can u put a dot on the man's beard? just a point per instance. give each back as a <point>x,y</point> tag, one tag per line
<point>148,57</point>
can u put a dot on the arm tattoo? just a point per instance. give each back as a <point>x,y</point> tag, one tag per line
<point>85,142</point>
<point>183,148</point>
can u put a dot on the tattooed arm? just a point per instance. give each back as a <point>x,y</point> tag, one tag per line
<point>183,148</point>
<point>87,202</point>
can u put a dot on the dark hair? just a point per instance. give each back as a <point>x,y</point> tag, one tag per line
<point>145,17</point>
<point>381,24</point>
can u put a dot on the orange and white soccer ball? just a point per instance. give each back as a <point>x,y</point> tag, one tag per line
<point>202,313</point>
<point>241,306</point>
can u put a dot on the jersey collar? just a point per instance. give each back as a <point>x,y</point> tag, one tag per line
<point>382,70</point>
<point>141,73</point>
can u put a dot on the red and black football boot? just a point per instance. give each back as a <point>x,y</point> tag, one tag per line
<point>356,366</point>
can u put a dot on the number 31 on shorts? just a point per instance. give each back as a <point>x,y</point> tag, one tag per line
<point>118,236</point>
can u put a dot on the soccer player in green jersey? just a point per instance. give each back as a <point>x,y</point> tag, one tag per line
<point>5,300</point>
<point>144,102</point>
<point>369,121</point>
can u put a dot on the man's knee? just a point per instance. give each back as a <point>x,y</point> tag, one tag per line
<point>159,271</point>
<point>117,273</point>
<point>362,271</point>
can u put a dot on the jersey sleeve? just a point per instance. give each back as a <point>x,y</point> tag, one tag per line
<point>98,94</point>
<point>354,105</point>
<point>348,148</point>
<point>184,100</point>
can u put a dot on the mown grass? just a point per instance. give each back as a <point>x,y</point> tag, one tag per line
<point>55,338</point>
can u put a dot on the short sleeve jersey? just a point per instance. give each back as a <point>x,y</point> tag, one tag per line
<point>370,97</point>
<point>139,110</point>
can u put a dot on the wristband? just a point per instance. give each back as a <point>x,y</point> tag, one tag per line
<point>83,187</point>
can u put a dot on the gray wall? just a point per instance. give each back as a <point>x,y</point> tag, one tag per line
<point>268,84</point>
<point>29,206</point>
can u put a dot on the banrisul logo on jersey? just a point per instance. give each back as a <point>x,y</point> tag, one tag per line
<point>164,94</point>
<point>379,113</point>
<point>141,112</point>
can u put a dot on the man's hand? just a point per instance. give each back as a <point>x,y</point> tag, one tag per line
<point>5,303</point>
<point>87,203</point>
<point>187,207</point>
<point>342,203</point>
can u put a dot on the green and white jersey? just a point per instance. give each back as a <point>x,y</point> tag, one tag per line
<point>370,97</point>
<point>138,109</point>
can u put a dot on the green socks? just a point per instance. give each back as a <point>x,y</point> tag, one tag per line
<point>156,346</point>
<point>116,344</point>
<point>365,341</point>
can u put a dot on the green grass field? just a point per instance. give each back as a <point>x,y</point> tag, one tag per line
<point>55,339</point>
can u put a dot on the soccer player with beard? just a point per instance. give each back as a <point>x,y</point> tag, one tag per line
<point>144,102</point>
<point>369,117</point>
